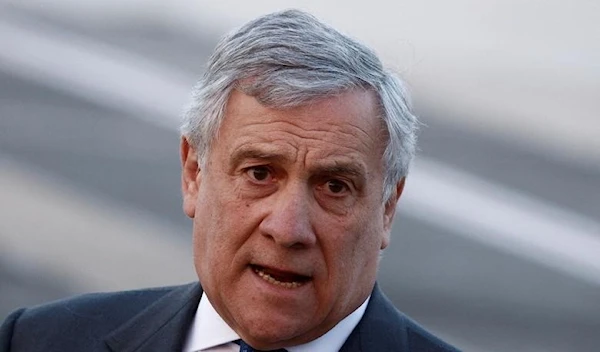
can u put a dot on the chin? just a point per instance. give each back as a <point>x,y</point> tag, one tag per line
<point>272,332</point>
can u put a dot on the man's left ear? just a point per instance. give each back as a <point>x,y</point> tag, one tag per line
<point>390,211</point>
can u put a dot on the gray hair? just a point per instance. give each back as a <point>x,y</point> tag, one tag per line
<point>287,59</point>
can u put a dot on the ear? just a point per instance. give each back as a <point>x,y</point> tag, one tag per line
<point>190,177</point>
<point>390,211</point>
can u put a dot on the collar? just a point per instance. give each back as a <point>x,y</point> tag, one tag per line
<point>333,339</point>
<point>209,330</point>
<point>161,318</point>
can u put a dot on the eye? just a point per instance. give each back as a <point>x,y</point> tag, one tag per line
<point>259,173</point>
<point>336,187</point>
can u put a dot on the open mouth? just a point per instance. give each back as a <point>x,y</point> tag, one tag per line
<point>281,278</point>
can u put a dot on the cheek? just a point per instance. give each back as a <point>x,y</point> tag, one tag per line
<point>202,251</point>
<point>364,239</point>
<point>209,226</point>
<point>221,225</point>
<point>346,247</point>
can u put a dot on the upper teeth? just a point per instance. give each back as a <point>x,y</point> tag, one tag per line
<point>272,280</point>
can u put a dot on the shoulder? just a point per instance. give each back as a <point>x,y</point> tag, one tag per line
<point>420,339</point>
<point>84,316</point>
<point>386,327</point>
<point>108,306</point>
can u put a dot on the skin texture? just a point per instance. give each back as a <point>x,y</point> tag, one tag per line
<point>296,190</point>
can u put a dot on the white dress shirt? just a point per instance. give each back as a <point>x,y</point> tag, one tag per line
<point>210,333</point>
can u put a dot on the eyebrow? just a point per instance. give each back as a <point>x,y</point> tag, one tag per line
<point>332,168</point>
<point>246,153</point>
<point>353,171</point>
<point>340,168</point>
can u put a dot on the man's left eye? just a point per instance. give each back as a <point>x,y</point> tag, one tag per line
<point>336,186</point>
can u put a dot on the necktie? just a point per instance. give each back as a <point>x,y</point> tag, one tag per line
<point>244,347</point>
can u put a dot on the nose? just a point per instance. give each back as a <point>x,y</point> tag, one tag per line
<point>288,222</point>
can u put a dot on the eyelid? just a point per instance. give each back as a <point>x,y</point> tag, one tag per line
<point>253,165</point>
<point>349,187</point>
<point>246,170</point>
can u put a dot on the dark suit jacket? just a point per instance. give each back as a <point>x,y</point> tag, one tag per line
<point>158,320</point>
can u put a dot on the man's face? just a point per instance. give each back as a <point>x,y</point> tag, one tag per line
<point>288,215</point>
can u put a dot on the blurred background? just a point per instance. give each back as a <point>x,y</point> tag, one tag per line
<point>497,242</point>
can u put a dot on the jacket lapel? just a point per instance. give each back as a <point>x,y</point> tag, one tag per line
<point>382,328</point>
<point>162,326</point>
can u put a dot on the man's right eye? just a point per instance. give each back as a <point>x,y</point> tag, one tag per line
<point>259,173</point>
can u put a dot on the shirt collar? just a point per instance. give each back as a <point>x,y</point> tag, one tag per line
<point>333,339</point>
<point>208,330</point>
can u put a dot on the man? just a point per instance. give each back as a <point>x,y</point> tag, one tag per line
<point>294,154</point>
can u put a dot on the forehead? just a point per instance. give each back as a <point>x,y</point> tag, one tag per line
<point>354,113</point>
<point>345,125</point>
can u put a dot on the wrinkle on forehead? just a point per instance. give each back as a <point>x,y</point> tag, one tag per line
<point>344,125</point>
<point>284,151</point>
<point>295,136</point>
<point>362,106</point>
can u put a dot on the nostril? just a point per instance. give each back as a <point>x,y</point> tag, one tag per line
<point>297,245</point>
